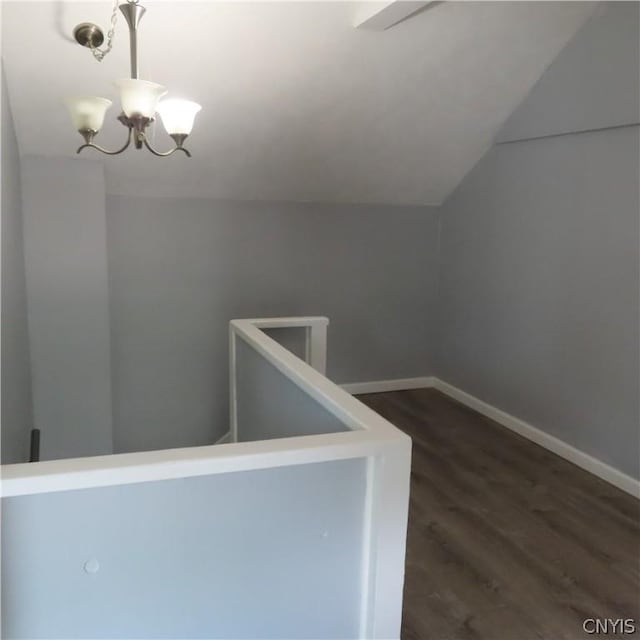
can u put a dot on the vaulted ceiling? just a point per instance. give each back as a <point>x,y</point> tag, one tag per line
<point>297,103</point>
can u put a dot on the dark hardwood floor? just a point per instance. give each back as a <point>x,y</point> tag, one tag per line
<point>506,540</point>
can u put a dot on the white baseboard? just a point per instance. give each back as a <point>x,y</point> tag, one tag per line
<point>380,386</point>
<point>581,459</point>
<point>224,439</point>
<point>559,447</point>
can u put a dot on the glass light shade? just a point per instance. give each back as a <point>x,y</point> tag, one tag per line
<point>139,97</point>
<point>87,112</point>
<point>178,115</point>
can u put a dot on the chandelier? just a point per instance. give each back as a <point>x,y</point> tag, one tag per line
<point>140,99</point>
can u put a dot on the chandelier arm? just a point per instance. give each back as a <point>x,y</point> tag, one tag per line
<point>166,153</point>
<point>106,151</point>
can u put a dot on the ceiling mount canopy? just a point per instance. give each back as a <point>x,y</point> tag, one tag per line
<point>140,99</point>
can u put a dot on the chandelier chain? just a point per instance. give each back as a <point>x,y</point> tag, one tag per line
<point>98,53</point>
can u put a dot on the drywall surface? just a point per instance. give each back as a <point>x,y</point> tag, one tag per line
<point>539,288</point>
<point>593,83</point>
<point>291,338</point>
<point>272,406</point>
<point>274,553</point>
<point>538,298</point>
<point>67,297</point>
<point>181,269</point>
<point>17,410</point>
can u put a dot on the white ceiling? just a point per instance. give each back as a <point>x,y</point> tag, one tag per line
<point>297,104</point>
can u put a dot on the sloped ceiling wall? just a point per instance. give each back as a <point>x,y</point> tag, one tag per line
<point>298,104</point>
<point>593,84</point>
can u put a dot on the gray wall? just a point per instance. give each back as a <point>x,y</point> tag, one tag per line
<point>538,298</point>
<point>181,269</point>
<point>179,559</point>
<point>67,295</point>
<point>17,416</point>
<point>272,406</point>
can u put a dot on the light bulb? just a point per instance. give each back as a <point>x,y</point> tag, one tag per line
<point>139,97</point>
<point>178,115</point>
<point>87,112</point>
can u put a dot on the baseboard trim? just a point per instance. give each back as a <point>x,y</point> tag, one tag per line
<point>380,386</point>
<point>551,443</point>
<point>581,459</point>
<point>226,438</point>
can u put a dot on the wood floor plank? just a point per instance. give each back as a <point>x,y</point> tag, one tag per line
<point>506,540</point>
